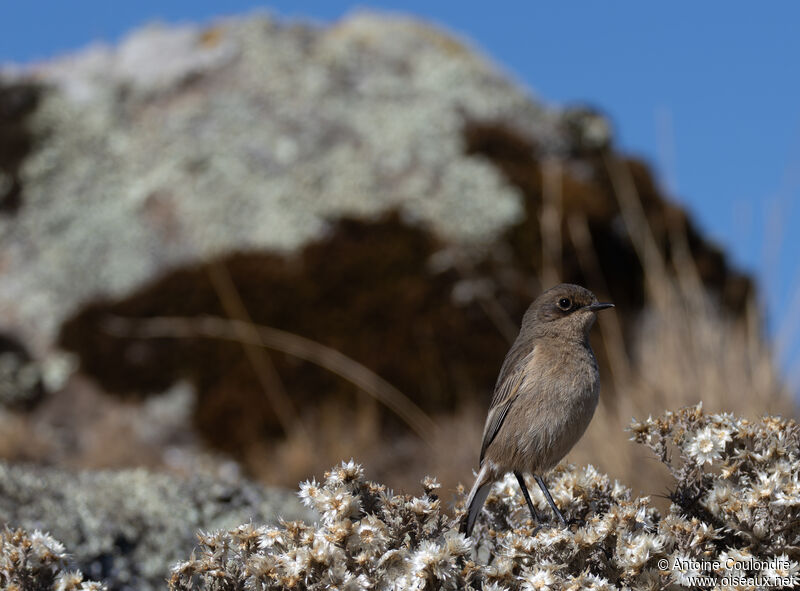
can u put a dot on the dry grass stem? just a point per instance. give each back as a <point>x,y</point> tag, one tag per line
<point>250,339</point>
<point>551,221</point>
<point>633,215</point>
<point>486,299</point>
<point>610,328</point>
<point>303,348</point>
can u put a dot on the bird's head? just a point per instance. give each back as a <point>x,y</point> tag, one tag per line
<point>565,309</point>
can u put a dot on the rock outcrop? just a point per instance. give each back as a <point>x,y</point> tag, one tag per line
<point>376,187</point>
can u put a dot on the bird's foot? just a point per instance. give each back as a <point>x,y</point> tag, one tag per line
<point>535,527</point>
<point>578,523</point>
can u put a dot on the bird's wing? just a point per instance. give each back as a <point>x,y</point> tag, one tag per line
<point>505,393</point>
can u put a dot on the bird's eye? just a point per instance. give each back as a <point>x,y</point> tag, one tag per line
<point>565,304</point>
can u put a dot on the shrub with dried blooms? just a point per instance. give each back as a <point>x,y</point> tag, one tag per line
<point>736,500</point>
<point>735,516</point>
<point>37,562</point>
<point>366,538</point>
<point>739,477</point>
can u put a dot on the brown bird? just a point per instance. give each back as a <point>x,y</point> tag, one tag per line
<point>544,398</point>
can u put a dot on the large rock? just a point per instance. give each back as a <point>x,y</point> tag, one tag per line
<point>375,186</point>
<point>182,144</point>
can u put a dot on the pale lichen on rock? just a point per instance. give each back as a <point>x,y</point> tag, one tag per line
<point>126,528</point>
<point>249,134</point>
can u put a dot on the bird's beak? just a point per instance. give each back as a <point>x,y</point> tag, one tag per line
<point>598,306</point>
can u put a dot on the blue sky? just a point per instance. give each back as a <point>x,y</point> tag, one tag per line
<point>708,92</point>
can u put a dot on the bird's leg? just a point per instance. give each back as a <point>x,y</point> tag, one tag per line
<point>549,499</point>
<point>524,488</point>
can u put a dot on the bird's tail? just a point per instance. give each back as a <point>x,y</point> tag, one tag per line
<point>477,496</point>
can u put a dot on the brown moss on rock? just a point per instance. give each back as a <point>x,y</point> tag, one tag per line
<point>587,191</point>
<point>365,290</point>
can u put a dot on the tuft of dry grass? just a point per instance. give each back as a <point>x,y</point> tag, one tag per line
<point>681,354</point>
<point>684,350</point>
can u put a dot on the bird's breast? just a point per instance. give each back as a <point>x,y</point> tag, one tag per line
<point>559,398</point>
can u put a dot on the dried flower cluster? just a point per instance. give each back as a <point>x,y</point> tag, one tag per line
<point>735,516</point>
<point>37,562</point>
<point>740,477</point>
<point>735,502</point>
<point>366,538</point>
